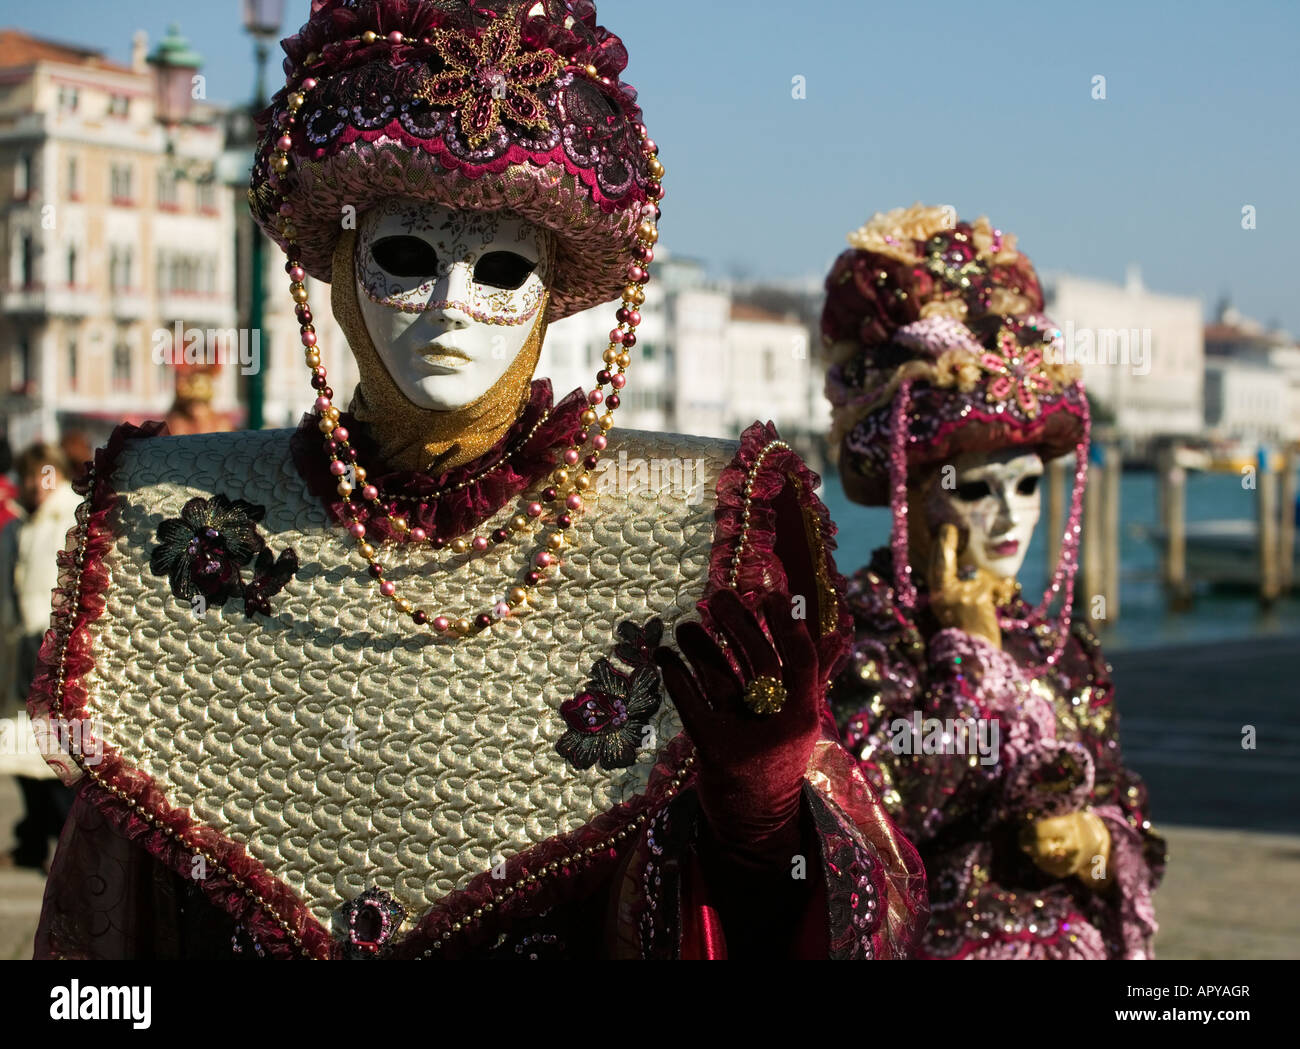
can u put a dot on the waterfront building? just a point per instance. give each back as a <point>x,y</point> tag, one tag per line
<point>286,390</point>
<point>1142,353</point>
<point>114,234</point>
<point>771,370</point>
<point>704,363</point>
<point>1252,380</point>
<point>678,359</point>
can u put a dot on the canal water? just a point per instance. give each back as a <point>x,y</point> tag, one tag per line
<point>1144,621</point>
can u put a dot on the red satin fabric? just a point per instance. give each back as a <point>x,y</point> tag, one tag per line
<point>702,936</point>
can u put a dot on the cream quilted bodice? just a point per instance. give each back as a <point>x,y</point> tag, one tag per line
<point>346,748</point>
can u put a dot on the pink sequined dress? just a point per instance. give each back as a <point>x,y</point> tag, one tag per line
<point>1058,751</point>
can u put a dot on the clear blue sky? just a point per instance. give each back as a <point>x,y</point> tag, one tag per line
<point>986,106</point>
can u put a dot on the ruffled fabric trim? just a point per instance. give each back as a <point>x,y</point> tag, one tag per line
<point>1076,939</point>
<point>1135,882</point>
<point>760,568</point>
<point>74,609</point>
<point>876,891</point>
<point>455,512</point>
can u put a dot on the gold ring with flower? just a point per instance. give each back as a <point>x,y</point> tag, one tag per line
<point>765,695</point>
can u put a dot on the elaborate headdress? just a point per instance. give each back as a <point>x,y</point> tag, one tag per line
<point>939,346</point>
<point>481,105</point>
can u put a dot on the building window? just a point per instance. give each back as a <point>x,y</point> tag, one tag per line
<point>69,98</point>
<point>119,105</point>
<point>121,261</point>
<point>28,261</point>
<point>168,191</point>
<point>72,364</point>
<point>122,364</point>
<point>186,274</point>
<point>74,179</point>
<point>23,380</point>
<point>120,188</point>
<point>207,196</point>
<point>23,177</point>
<point>72,266</point>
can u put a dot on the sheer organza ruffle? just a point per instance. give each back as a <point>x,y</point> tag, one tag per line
<point>769,519</point>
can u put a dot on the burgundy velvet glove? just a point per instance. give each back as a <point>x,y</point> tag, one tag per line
<point>751,764</point>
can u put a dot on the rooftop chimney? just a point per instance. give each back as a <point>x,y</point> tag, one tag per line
<point>139,51</point>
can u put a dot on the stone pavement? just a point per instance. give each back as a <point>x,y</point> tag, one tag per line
<point>1228,894</point>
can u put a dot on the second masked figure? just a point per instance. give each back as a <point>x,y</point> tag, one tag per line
<point>987,723</point>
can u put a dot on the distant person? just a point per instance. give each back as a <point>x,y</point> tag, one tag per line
<point>192,412</point>
<point>28,575</point>
<point>9,507</point>
<point>78,451</point>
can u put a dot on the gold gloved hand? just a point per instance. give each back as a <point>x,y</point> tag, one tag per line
<point>968,604</point>
<point>1077,843</point>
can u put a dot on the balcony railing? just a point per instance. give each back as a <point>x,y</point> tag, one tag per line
<point>129,304</point>
<point>196,308</point>
<point>62,300</point>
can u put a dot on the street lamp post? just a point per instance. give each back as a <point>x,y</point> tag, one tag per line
<point>175,64</point>
<point>262,20</point>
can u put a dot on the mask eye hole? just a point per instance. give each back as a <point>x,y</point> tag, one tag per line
<point>973,491</point>
<point>503,269</point>
<point>406,256</point>
<point>1028,485</point>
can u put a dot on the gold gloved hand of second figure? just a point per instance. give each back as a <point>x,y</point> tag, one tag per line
<point>1076,844</point>
<point>969,604</point>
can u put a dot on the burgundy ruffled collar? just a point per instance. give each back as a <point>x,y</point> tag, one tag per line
<point>454,502</point>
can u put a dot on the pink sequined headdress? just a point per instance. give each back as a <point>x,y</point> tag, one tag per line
<point>480,105</point>
<point>939,346</point>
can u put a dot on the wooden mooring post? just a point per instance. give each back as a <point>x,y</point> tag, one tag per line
<point>1101,570</point>
<point>1267,480</point>
<point>1173,512</point>
<point>1112,471</point>
<point>1286,522</point>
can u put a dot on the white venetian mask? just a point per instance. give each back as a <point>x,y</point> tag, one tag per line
<point>995,500</point>
<point>449,297</point>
